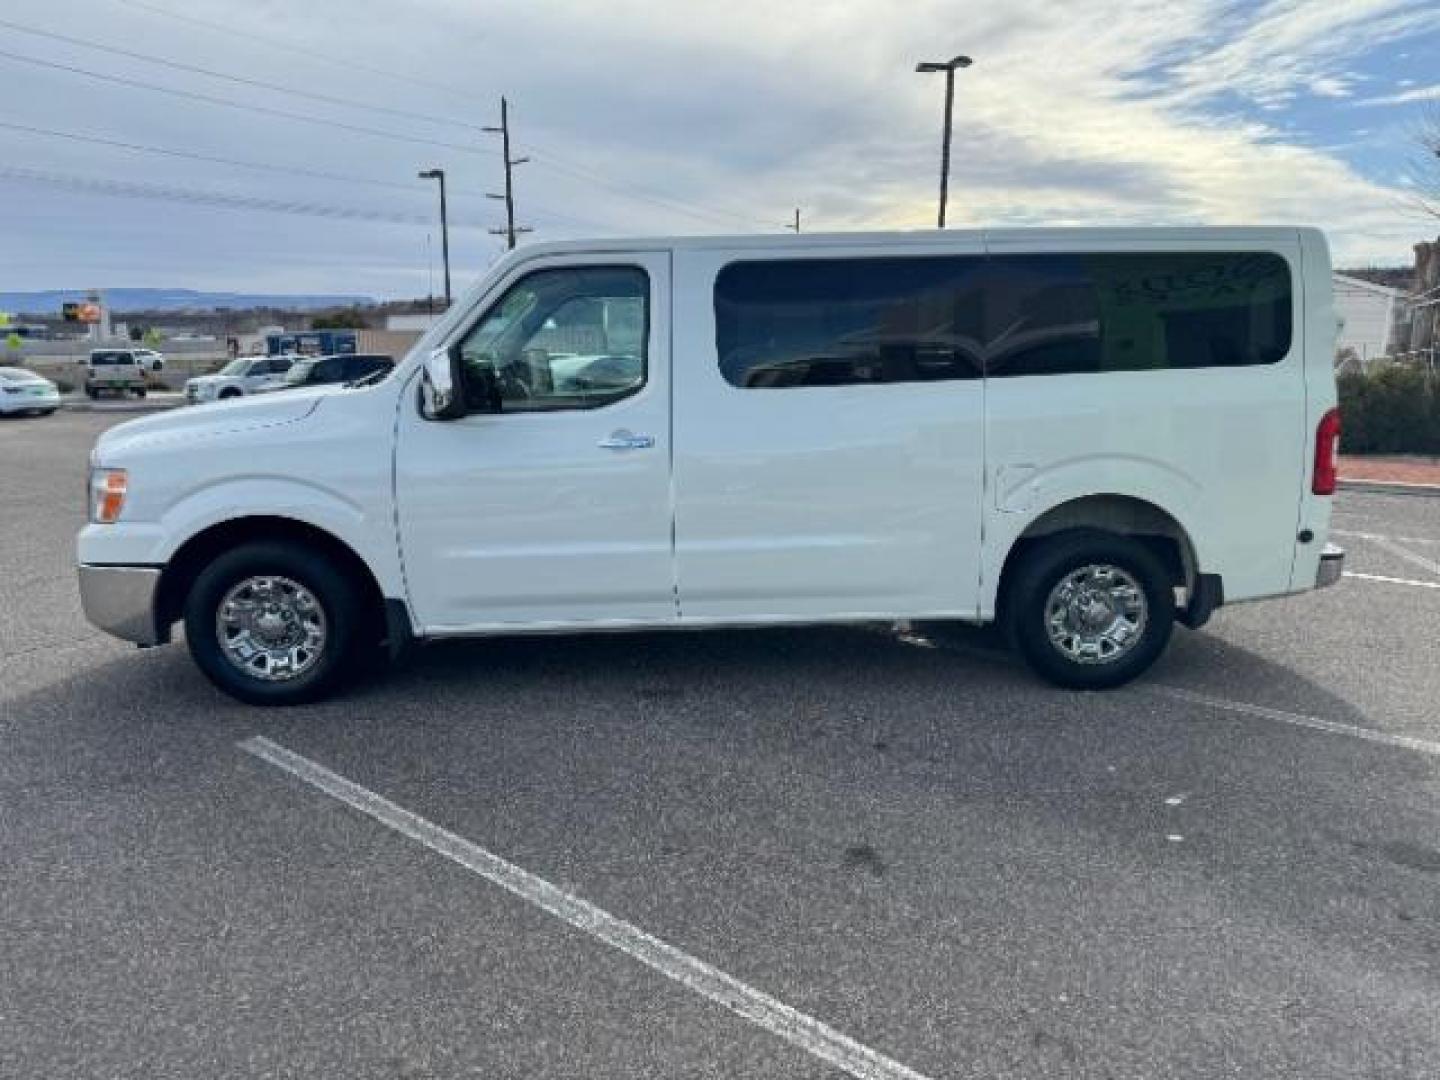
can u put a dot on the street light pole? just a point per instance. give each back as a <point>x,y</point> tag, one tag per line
<point>949,67</point>
<point>439,174</point>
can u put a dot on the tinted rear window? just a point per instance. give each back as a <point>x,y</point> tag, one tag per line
<point>1072,314</point>
<point>830,322</point>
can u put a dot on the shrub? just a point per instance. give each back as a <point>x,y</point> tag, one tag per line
<point>1393,410</point>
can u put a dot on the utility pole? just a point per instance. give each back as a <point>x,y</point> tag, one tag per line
<point>796,225</point>
<point>503,131</point>
<point>439,174</point>
<point>948,67</point>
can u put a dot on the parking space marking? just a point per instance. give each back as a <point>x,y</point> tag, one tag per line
<point>1393,580</point>
<point>1381,536</point>
<point>1414,559</point>
<point>759,1008</point>
<point>1314,723</point>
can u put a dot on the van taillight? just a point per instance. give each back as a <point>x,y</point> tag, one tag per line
<point>1327,447</point>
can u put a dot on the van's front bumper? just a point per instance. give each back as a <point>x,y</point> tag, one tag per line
<point>1332,565</point>
<point>121,601</point>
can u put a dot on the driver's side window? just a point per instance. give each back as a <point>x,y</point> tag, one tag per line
<point>564,338</point>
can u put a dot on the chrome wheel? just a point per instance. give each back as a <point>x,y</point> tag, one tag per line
<point>271,628</point>
<point>1096,614</point>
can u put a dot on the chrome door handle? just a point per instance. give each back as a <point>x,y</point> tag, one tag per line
<point>623,440</point>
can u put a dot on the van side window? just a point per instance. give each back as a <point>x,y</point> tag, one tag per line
<point>564,338</point>
<point>1072,314</point>
<point>837,322</point>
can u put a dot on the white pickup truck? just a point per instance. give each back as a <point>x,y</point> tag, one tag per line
<point>1087,435</point>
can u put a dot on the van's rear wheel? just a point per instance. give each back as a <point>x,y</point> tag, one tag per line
<point>273,624</point>
<point>1089,609</point>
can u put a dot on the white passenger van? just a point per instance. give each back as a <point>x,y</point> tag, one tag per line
<point>1086,435</point>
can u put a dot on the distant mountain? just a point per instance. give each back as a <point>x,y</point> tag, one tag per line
<point>48,301</point>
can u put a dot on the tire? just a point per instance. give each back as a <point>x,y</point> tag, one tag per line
<point>322,669</point>
<point>140,393</point>
<point>1121,575</point>
<point>225,395</point>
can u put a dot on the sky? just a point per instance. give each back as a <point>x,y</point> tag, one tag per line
<point>273,145</point>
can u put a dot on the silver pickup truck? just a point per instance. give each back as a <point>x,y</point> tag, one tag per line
<point>114,371</point>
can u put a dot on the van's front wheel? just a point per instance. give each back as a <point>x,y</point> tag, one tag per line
<point>272,624</point>
<point>1090,610</point>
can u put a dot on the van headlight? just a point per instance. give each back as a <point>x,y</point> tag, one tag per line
<point>108,488</point>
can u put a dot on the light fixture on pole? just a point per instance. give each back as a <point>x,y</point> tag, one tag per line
<point>439,174</point>
<point>949,67</point>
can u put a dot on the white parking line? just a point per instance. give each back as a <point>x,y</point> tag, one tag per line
<point>1393,580</point>
<point>1428,565</point>
<point>1381,536</point>
<point>759,1008</point>
<point>1298,720</point>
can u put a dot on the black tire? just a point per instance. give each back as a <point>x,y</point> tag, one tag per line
<point>225,395</point>
<point>1045,565</point>
<point>338,599</point>
<point>140,392</point>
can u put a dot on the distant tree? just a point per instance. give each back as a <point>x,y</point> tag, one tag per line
<point>345,318</point>
<point>137,332</point>
<point>152,336</point>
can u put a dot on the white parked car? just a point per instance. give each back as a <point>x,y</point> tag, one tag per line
<point>23,391</point>
<point>241,376</point>
<point>1085,435</point>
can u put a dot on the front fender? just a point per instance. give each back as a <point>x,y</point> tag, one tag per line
<point>263,496</point>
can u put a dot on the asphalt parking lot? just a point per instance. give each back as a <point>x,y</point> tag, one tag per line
<point>864,854</point>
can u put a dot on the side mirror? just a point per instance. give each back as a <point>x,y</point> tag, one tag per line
<point>442,393</point>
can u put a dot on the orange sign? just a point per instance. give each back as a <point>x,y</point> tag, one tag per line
<point>81,311</point>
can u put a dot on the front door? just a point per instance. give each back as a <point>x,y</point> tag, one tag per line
<point>549,504</point>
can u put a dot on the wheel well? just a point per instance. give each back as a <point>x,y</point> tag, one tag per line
<point>1142,521</point>
<point>197,552</point>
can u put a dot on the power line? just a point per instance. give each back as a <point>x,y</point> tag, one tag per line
<point>347,64</point>
<point>191,196</point>
<point>238,79</point>
<point>292,170</point>
<point>639,196</point>
<point>226,102</point>
<point>141,148</point>
<point>724,215</point>
<point>170,193</point>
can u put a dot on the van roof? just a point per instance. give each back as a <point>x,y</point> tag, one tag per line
<point>1147,235</point>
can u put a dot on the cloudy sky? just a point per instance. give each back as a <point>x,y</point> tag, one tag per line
<point>154,143</point>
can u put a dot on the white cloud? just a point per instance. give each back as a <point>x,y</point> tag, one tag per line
<point>1405,97</point>
<point>708,116</point>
